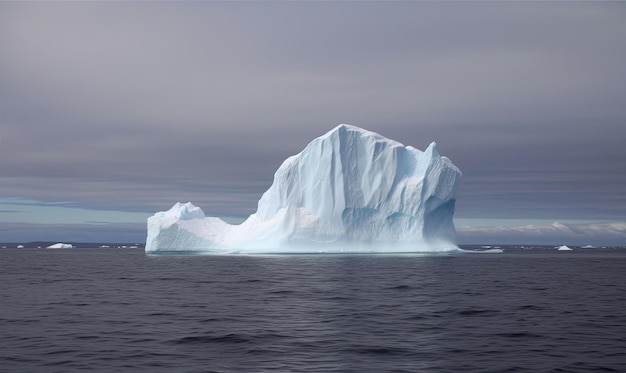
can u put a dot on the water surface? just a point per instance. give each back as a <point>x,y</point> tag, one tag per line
<point>120,310</point>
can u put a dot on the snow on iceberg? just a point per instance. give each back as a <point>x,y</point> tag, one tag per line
<point>349,190</point>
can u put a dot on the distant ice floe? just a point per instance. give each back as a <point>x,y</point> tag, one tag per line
<point>484,251</point>
<point>564,248</point>
<point>60,246</point>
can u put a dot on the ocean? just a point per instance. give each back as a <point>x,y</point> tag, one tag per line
<point>119,310</point>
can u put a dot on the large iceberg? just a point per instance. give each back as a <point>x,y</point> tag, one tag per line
<point>349,190</point>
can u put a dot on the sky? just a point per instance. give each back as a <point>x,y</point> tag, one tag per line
<point>112,111</point>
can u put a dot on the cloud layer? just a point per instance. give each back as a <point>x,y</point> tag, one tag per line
<point>133,106</point>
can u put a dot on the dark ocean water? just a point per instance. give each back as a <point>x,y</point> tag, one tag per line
<point>115,310</point>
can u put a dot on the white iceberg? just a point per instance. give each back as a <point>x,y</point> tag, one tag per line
<point>60,246</point>
<point>564,248</point>
<point>349,190</point>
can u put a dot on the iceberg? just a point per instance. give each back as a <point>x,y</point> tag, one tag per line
<point>349,190</point>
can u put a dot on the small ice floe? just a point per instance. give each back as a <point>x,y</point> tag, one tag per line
<point>564,248</point>
<point>20,246</point>
<point>490,250</point>
<point>60,246</point>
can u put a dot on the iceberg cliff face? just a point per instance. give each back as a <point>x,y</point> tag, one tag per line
<point>348,190</point>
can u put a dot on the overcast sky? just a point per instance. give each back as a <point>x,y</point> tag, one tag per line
<point>111,111</point>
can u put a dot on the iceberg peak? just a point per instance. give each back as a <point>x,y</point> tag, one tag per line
<point>348,190</point>
<point>346,129</point>
<point>432,149</point>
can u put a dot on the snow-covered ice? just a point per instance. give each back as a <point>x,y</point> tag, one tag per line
<point>349,190</point>
<point>564,248</point>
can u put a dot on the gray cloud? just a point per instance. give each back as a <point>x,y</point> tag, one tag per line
<point>133,106</point>
<point>555,233</point>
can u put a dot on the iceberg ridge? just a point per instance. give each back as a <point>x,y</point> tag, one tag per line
<point>349,190</point>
